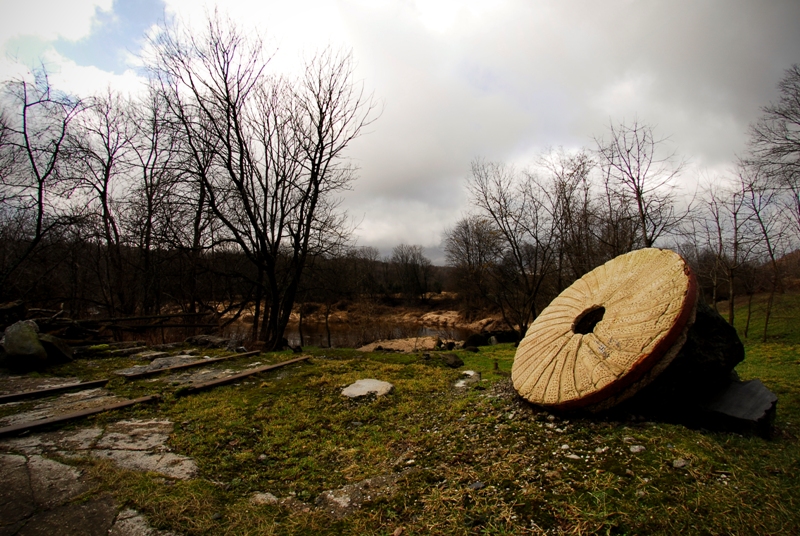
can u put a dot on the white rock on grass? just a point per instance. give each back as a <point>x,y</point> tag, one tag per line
<point>366,387</point>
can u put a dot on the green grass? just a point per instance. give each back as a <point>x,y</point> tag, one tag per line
<point>291,433</point>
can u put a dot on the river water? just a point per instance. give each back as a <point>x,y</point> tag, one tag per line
<point>345,336</point>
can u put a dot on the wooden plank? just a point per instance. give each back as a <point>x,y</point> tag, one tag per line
<point>32,425</point>
<point>39,393</point>
<point>197,363</point>
<point>192,389</point>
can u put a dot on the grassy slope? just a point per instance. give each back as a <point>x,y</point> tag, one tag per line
<point>291,433</point>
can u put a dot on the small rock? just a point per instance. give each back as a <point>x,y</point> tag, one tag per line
<point>600,450</point>
<point>565,447</point>
<point>263,498</point>
<point>679,463</point>
<point>366,387</point>
<point>476,485</point>
<point>573,456</point>
<point>636,449</point>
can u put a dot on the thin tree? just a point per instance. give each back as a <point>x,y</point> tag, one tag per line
<point>632,158</point>
<point>275,148</point>
<point>36,119</point>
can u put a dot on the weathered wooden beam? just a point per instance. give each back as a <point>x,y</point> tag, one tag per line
<point>192,389</point>
<point>148,317</point>
<point>156,326</point>
<point>32,425</point>
<point>198,363</point>
<point>39,393</point>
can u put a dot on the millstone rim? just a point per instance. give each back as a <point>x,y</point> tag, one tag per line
<point>648,298</point>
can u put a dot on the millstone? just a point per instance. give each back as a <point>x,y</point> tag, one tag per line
<point>609,334</point>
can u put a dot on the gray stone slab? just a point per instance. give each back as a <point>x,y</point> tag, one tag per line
<point>366,387</point>
<point>90,518</point>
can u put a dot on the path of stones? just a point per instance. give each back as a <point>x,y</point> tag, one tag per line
<point>40,495</point>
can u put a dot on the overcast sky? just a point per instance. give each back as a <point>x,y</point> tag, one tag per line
<point>460,79</point>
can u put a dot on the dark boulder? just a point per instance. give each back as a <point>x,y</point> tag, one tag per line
<point>452,360</point>
<point>208,341</point>
<point>22,346</point>
<point>701,369</point>
<point>57,350</point>
<point>476,339</point>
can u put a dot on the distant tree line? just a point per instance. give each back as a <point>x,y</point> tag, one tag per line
<point>532,232</point>
<point>217,187</point>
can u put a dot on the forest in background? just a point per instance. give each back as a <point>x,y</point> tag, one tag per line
<point>217,188</point>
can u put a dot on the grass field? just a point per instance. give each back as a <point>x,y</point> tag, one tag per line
<point>474,461</point>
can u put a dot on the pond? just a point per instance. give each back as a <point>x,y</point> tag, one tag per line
<point>355,336</point>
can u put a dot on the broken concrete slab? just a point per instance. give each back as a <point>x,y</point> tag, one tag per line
<point>139,445</point>
<point>168,464</point>
<point>136,435</point>
<point>43,497</point>
<point>366,387</point>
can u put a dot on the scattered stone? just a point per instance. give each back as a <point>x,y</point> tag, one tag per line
<point>573,456</point>
<point>600,450</point>
<point>468,379</point>
<point>679,463</point>
<point>260,498</point>
<point>636,449</point>
<point>341,502</point>
<point>148,355</point>
<point>476,485</point>
<point>208,341</point>
<point>452,360</point>
<point>366,387</point>
<point>129,522</point>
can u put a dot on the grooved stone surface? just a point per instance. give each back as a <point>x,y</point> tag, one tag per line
<point>649,298</point>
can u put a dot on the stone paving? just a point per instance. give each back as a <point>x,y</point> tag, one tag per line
<point>42,496</point>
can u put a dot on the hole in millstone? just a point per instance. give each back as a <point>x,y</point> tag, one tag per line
<point>588,319</point>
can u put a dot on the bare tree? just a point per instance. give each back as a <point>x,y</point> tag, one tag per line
<point>270,152</point>
<point>631,159</point>
<point>473,247</point>
<point>726,226</point>
<point>517,207</point>
<point>775,143</point>
<point>35,122</point>
<point>99,153</point>
<point>413,270</point>
<point>761,201</point>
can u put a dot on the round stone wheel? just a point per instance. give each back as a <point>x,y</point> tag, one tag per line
<point>609,334</point>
